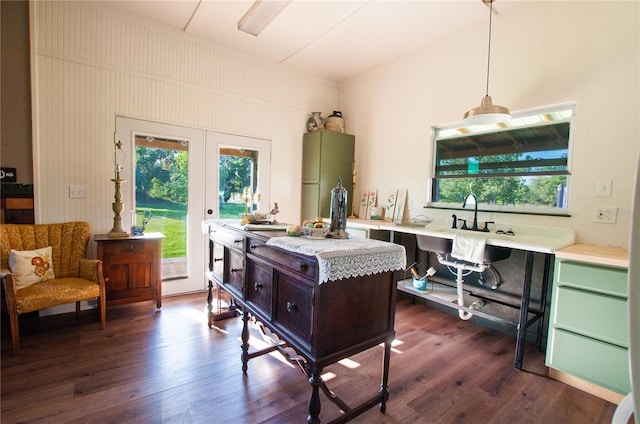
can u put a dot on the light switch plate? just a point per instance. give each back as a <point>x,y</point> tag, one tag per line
<point>76,192</point>
<point>603,188</point>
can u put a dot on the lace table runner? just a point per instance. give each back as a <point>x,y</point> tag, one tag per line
<point>345,258</point>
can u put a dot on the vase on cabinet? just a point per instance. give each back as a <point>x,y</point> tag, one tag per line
<point>315,122</point>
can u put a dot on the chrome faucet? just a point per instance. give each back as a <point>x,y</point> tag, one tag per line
<point>472,200</point>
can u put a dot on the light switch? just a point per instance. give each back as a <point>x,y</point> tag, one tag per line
<point>76,192</point>
<point>603,188</point>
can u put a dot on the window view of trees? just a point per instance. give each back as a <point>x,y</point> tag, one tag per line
<point>523,183</point>
<point>522,191</point>
<point>237,172</point>
<point>520,163</point>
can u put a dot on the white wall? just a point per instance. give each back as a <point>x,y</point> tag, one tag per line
<point>89,65</point>
<point>543,53</point>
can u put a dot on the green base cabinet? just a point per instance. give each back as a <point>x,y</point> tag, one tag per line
<point>588,328</point>
<point>326,155</point>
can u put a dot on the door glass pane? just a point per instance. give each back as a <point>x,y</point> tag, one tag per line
<point>162,170</point>
<point>238,182</point>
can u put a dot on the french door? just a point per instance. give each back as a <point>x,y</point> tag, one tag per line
<point>176,177</point>
<point>165,187</point>
<point>238,175</point>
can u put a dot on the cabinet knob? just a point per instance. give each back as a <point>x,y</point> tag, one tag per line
<point>237,241</point>
<point>257,286</point>
<point>236,269</point>
<point>291,307</point>
<point>218,259</point>
<point>302,266</point>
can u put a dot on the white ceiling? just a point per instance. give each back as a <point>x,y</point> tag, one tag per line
<point>331,39</point>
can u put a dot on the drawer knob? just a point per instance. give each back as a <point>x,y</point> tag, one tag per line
<point>237,241</point>
<point>257,286</point>
<point>291,307</point>
<point>302,266</point>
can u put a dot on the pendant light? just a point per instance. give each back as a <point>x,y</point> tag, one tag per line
<point>487,112</point>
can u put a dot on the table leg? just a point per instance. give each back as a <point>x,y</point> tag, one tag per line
<point>245,340</point>
<point>210,304</point>
<point>384,387</point>
<point>524,310</point>
<point>314,402</point>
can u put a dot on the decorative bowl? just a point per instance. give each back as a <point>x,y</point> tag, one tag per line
<point>316,233</point>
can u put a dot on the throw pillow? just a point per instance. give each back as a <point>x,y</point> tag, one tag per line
<point>31,266</point>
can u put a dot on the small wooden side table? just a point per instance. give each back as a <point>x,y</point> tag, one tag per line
<point>132,267</point>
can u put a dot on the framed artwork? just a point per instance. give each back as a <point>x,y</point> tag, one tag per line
<point>372,202</point>
<point>364,203</point>
<point>398,215</point>
<point>391,205</point>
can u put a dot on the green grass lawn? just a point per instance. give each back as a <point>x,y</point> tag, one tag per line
<point>170,219</point>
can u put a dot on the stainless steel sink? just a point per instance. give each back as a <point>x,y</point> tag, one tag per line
<point>443,245</point>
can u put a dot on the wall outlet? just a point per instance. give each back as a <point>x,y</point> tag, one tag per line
<point>605,215</point>
<point>603,188</point>
<point>76,192</point>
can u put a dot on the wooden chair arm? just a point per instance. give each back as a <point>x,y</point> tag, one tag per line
<point>91,269</point>
<point>9,290</point>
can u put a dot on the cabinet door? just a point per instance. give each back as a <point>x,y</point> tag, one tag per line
<point>337,161</point>
<point>260,282</point>
<point>294,309</point>
<point>217,261</point>
<point>310,201</point>
<point>131,267</point>
<point>311,158</point>
<point>234,272</point>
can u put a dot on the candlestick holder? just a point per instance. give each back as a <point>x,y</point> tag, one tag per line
<point>117,206</point>
<point>248,199</point>
<point>354,172</point>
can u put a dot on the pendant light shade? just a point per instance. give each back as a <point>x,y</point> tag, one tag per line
<point>487,112</point>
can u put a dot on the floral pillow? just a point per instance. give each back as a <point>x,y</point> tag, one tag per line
<point>31,266</point>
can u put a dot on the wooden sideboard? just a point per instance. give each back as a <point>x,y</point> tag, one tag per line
<point>132,267</point>
<point>323,322</point>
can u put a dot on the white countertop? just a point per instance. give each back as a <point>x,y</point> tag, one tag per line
<point>527,237</point>
<point>531,238</point>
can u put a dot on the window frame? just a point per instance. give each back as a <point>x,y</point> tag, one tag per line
<point>565,112</point>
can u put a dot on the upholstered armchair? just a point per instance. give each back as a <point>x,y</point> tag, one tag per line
<point>45,265</point>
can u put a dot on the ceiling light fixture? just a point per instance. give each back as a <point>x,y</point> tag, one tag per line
<point>260,15</point>
<point>487,112</point>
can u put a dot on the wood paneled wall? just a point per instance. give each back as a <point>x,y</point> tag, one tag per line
<point>90,64</point>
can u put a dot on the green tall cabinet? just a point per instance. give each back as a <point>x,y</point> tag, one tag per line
<point>326,155</point>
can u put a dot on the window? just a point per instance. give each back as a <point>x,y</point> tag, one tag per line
<point>522,165</point>
<point>238,181</point>
<point>162,173</point>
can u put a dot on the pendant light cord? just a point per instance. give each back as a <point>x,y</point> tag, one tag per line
<point>489,49</point>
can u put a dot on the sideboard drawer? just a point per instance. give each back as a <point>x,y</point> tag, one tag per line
<point>260,284</point>
<point>294,307</point>
<point>305,265</point>
<point>607,365</point>
<point>231,240</point>
<point>594,315</point>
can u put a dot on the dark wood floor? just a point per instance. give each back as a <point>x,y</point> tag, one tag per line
<point>169,367</point>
